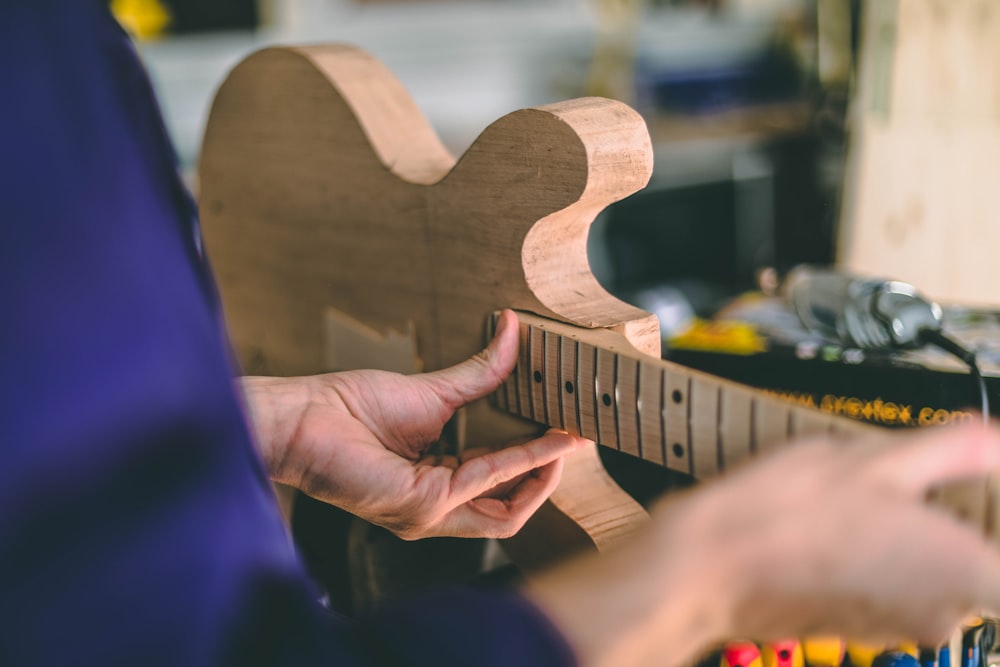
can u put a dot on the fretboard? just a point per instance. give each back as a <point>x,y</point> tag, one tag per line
<point>590,383</point>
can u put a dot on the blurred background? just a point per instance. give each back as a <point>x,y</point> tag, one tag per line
<point>745,101</point>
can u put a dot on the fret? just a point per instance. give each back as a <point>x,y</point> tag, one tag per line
<point>627,406</point>
<point>704,416</point>
<point>606,396</point>
<point>551,386</point>
<point>536,364</point>
<point>569,397</point>
<point>586,375</point>
<point>735,426</point>
<point>650,405</point>
<point>650,408</point>
<point>675,419</point>
<point>503,396</point>
<point>771,423</point>
<point>523,371</point>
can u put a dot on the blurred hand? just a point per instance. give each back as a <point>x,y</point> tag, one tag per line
<point>360,440</point>
<point>823,538</point>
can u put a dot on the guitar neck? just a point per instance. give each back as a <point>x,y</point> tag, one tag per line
<point>592,383</point>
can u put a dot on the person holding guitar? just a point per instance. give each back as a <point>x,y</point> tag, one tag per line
<point>137,523</point>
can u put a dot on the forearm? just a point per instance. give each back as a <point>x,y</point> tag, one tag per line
<point>623,608</point>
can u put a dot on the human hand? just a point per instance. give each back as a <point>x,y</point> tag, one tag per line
<point>360,440</point>
<point>839,538</point>
<point>822,538</point>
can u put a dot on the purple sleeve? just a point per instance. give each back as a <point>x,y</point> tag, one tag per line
<point>137,526</point>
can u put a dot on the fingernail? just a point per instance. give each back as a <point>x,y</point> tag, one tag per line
<point>501,325</point>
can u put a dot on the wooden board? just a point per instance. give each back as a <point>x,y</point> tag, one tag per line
<point>921,183</point>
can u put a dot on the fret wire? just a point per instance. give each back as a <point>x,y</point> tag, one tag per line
<point>616,403</point>
<point>649,379</point>
<point>663,416</point>
<point>594,385</point>
<point>545,384</point>
<point>576,392</point>
<point>638,409</point>
<point>524,375</point>
<point>528,375</point>
<point>559,384</point>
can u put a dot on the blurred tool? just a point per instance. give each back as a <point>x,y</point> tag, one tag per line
<point>782,653</point>
<point>973,654</point>
<point>823,651</point>
<point>895,659</point>
<point>872,313</point>
<point>740,654</point>
<point>944,656</point>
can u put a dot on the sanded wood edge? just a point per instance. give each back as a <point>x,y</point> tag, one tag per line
<point>399,133</point>
<point>619,162</point>
<point>597,151</point>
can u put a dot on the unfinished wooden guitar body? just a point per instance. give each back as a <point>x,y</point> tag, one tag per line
<point>324,191</point>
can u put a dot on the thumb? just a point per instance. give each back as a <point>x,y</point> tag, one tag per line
<point>483,373</point>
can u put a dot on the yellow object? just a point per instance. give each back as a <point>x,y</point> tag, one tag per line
<point>731,337</point>
<point>823,651</point>
<point>145,19</point>
<point>863,655</point>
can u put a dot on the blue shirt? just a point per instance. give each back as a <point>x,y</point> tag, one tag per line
<point>137,525</point>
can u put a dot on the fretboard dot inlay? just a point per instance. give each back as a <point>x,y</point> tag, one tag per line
<point>678,450</point>
<point>569,387</point>
<point>606,399</point>
<point>538,377</point>
<point>677,396</point>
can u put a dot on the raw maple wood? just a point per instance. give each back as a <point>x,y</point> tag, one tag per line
<point>324,188</point>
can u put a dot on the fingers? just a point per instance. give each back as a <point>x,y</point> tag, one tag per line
<point>937,456</point>
<point>483,373</point>
<point>501,518</point>
<point>478,476</point>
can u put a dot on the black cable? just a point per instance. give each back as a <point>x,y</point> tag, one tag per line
<point>936,337</point>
